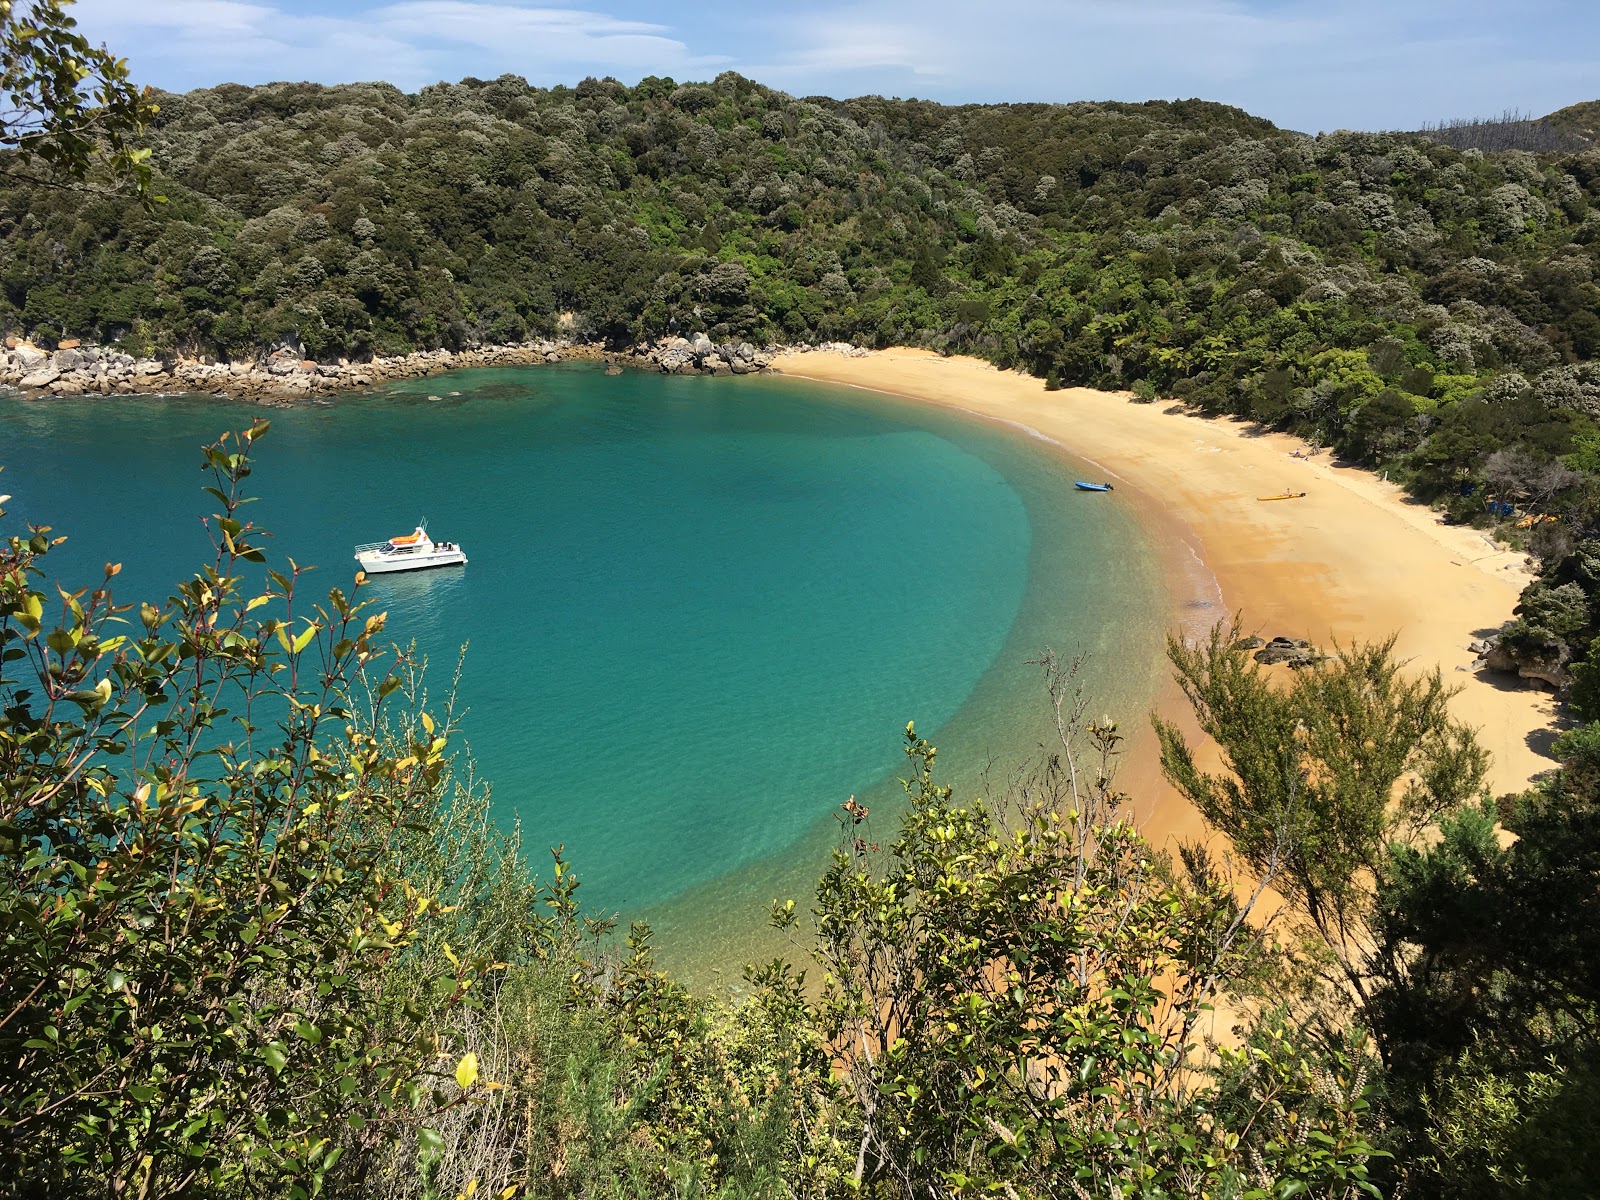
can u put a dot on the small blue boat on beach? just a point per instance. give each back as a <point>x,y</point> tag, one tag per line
<point>1092,487</point>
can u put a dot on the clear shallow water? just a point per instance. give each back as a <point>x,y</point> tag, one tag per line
<point>699,611</point>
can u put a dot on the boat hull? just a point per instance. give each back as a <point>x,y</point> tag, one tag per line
<point>374,563</point>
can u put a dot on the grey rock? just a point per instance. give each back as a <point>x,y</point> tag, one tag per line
<point>1292,652</point>
<point>27,357</point>
<point>43,377</point>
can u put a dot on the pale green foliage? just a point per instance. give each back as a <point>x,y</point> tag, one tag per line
<point>67,109</point>
<point>1323,773</point>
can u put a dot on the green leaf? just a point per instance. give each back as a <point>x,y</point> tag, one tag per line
<point>275,1056</point>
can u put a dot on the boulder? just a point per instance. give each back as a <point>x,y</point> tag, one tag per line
<point>43,377</point>
<point>67,359</point>
<point>27,357</point>
<point>1552,672</point>
<point>1292,652</point>
<point>676,359</point>
<point>68,344</point>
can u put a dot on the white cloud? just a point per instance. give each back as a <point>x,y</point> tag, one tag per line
<point>193,43</point>
<point>1307,64</point>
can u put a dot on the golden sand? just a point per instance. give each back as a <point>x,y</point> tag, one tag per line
<point>1353,559</point>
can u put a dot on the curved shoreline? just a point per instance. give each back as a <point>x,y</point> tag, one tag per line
<point>1355,559</point>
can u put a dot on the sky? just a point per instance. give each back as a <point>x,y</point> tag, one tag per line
<point>1311,65</point>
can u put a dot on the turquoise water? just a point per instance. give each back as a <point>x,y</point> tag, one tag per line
<point>698,612</point>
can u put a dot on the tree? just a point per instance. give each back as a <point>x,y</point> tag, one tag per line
<point>1494,1029</point>
<point>67,109</point>
<point>1321,776</point>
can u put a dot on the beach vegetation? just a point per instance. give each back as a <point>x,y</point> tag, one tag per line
<point>1324,777</point>
<point>1455,930</point>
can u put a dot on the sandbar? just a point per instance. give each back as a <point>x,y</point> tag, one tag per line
<point>1354,559</point>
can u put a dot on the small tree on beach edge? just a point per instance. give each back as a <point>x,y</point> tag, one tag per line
<point>1323,777</point>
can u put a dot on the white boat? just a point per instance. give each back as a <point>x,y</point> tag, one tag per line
<point>410,552</point>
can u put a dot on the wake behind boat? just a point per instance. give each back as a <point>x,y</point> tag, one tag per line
<point>410,552</point>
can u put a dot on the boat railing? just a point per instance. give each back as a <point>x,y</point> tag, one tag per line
<point>366,546</point>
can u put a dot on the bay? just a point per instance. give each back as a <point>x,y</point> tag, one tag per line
<point>698,612</point>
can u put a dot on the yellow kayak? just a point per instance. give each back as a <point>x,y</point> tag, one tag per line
<point>1283,496</point>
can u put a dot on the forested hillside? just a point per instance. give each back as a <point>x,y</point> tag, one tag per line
<point>1416,304</point>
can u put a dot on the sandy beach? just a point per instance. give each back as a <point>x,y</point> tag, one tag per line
<point>1353,560</point>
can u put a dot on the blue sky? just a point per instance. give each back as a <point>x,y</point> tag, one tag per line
<point>1306,64</point>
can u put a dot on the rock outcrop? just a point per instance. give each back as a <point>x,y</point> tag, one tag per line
<point>1545,663</point>
<point>286,375</point>
<point>283,376</point>
<point>700,356</point>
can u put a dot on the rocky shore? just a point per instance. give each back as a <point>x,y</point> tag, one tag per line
<point>286,376</point>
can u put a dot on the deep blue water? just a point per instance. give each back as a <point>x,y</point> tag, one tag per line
<point>698,612</point>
